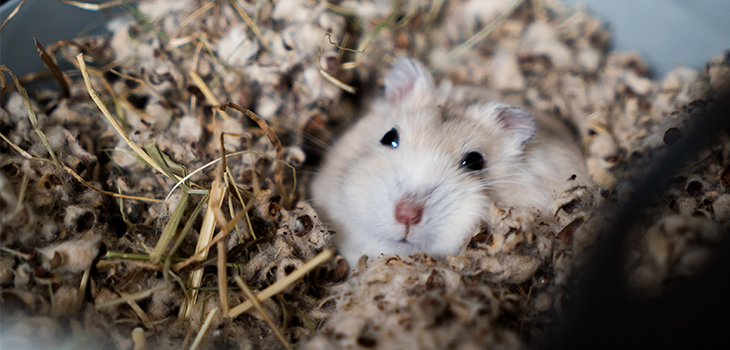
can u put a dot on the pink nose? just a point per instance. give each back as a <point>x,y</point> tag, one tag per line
<point>408,213</point>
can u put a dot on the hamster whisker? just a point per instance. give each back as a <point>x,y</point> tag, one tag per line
<point>503,182</point>
<point>507,176</point>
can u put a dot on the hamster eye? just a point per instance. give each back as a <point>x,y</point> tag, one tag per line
<point>390,138</point>
<point>473,161</point>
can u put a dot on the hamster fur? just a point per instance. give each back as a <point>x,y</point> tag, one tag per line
<point>422,169</point>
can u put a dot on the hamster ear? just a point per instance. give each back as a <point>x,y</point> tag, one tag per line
<point>406,79</point>
<point>518,123</point>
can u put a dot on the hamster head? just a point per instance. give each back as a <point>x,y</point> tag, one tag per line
<point>417,172</point>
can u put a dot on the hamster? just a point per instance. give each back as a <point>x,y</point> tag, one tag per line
<point>423,168</point>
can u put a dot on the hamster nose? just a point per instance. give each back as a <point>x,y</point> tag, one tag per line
<point>408,213</point>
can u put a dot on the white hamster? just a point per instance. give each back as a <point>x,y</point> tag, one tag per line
<point>422,169</point>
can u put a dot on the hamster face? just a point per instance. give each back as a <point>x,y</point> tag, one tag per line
<point>417,173</point>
